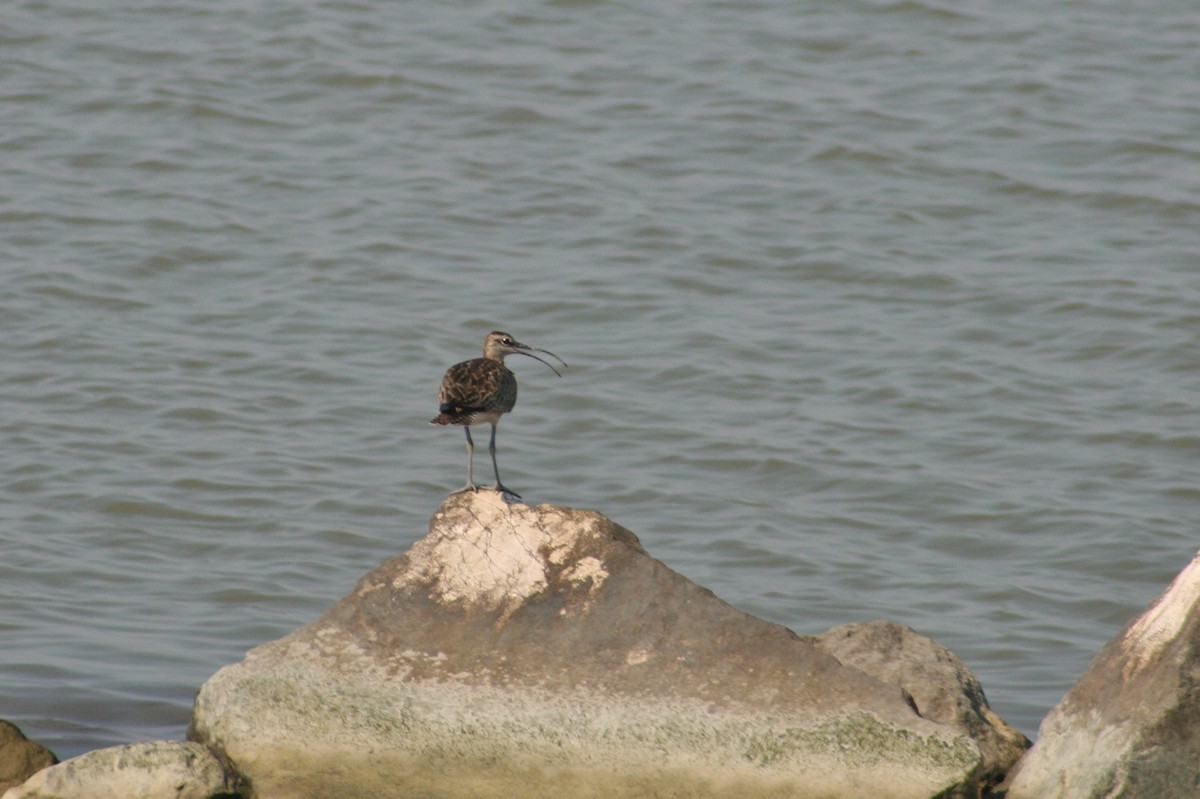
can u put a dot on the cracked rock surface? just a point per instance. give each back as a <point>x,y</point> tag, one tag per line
<point>540,651</point>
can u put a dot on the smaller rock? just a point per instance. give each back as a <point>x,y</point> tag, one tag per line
<point>152,770</point>
<point>941,686</point>
<point>20,758</point>
<point>1130,727</point>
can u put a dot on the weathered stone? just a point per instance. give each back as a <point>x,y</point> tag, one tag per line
<point>153,770</point>
<point>20,758</point>
<point>1130,728</point>
<point>540,652</point>
<point>941,686</point>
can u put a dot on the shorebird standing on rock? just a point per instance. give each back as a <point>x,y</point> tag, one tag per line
<point>481,390</point>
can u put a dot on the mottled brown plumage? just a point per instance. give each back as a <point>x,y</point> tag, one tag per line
<point>481,390</point>
<point>475,391</point>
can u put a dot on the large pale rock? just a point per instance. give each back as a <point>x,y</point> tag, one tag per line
<point>1130,728</point>
<point>540,652</point>
<point>152,770</point>
<point>20,758</point>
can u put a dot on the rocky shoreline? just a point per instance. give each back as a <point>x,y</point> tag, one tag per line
<point>541,651</point>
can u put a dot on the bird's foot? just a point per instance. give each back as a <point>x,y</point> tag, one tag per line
<point>504,490</point>
<point>468,487</point>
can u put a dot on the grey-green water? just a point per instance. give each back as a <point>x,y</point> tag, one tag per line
<point>873,309</point>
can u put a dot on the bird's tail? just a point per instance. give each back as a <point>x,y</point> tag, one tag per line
<point>454,414</point>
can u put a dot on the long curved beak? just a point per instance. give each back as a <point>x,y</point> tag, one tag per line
<point>525,349</point>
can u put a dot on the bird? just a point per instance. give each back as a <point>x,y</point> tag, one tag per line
<point>482,390</point>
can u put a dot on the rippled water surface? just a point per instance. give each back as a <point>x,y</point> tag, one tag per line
<point>873,309</point>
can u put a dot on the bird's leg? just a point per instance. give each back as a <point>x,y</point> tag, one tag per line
<point>470,486</point>
<point>492,449</point>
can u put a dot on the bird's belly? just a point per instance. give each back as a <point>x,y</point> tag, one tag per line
<point>485,417</point>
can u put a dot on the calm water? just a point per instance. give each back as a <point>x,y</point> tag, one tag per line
<point>874,309</point>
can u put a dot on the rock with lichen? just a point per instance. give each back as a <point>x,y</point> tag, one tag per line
<point>20,758</point>
<point>541,652</point>
<point>1130,727</point>
<point>938,683</point>
<point>149,770</point>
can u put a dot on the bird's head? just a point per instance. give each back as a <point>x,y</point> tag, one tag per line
<point>498,344</point>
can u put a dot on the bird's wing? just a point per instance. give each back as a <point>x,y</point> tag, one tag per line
<point>469,385</point>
